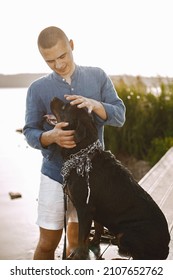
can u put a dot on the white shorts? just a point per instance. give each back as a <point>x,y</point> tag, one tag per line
<point>51,205</point>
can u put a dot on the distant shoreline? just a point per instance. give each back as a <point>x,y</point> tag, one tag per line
<point>19,80</point>
<point>25,79</point>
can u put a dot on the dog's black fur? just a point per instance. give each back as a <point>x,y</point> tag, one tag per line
<point>116,200</point>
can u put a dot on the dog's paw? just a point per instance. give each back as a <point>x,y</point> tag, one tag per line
<point>79,254</point>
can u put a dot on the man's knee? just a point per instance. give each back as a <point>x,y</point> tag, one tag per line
<point>49,240</point>
<point>46,246</point>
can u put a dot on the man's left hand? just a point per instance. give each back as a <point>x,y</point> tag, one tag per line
<point>82,102</point>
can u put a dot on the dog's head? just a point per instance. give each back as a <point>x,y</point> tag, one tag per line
<point>79,120</point>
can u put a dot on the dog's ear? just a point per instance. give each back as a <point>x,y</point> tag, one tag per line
<point>56,105</point>
<point>80,132</point>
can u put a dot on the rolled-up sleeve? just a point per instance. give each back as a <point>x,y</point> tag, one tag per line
<point>112,103</point>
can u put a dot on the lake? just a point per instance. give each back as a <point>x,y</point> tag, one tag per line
<point>12,114</point>
<point>19,172</point>
<point>14,150</point>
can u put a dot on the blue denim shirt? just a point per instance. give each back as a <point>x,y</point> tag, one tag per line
<point>91,82</point>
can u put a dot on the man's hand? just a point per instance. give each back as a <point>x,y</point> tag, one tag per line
<point>81,102</point>
<point>63,138</point>
<point>90,104</point>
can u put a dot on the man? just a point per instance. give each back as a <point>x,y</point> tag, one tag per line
<point>84,86</point>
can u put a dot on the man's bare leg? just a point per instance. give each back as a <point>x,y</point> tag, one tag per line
<point>72,237</point>
<point>48,242</point>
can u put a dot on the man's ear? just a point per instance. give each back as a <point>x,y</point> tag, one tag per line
<point>80,132</point>
<point>71,44</point>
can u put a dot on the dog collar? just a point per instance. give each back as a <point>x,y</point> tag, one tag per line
<point>81,161</point>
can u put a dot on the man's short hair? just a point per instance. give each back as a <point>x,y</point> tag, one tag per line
<point>49,37</point>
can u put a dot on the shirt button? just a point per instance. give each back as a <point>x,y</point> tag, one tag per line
<point>72,89</point>
<point>63,80</point>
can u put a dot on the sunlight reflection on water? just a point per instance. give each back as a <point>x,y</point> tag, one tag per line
<point>19,172</point>
<point>12,114</point>
<point>16,157</point>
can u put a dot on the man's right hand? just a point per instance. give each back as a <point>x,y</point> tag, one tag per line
<point>63,138</point>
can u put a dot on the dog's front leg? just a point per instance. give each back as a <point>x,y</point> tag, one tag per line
<point>85,220</point>
<point>99,229</point>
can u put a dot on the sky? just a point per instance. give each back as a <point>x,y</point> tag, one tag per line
<point>133,37</point>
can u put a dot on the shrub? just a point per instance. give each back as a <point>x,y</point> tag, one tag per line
<point>159,146</point>
<point>148,129</point>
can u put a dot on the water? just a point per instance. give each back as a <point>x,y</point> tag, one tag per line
<point>12,115</point>
<point>16,157</point>
<point>19,172</point>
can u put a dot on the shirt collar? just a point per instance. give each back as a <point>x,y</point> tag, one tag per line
<point>73,76</point>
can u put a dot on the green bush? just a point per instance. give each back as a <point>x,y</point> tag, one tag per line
<point>158,148</point>
<point>148,117</point>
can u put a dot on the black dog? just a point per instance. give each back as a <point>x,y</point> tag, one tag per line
<point>102,189</point>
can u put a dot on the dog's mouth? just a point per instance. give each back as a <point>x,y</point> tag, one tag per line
<point>52,120</point>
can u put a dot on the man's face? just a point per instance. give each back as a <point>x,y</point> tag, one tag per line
<point>60,58</point>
